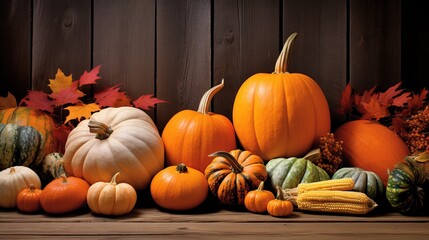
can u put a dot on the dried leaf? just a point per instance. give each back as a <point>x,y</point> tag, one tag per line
<point>90,77</point>
<point>81,111</point>
<point>346,100</point>
<point>401,100</point>
<point>373,109</point>
<point>60,82</point>
<point>422,157</point>
<point>8,102</point>
<point>68,95</point>
<point>387,97</point>
<point>39,100</point>
<point>145,102</point>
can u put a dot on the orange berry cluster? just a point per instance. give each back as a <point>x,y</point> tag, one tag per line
<point>331,153</point>
<point>418,131</point>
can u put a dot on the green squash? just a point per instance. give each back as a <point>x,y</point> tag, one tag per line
<point>365,181</point>
<point>289,172</point>
<point>407,188</point>
<point>52,167</point>
<point>20,146</point>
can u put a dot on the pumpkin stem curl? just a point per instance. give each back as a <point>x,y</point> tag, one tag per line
<point>101,130</point>
<point>283,59</point>
<point>235,166</point>
<point>113,181</point>
<point>207,98</point>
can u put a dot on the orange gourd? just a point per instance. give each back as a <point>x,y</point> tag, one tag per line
<point>231,175</point>
<point>37,119</point>
<point>179,188</point>
<point>280,114</point>
<point>28,200</point>
<point>371,146</point>
<point>64,194</point>
<point>190,136</point>
<point>257,200</point>
<point>280,207</point>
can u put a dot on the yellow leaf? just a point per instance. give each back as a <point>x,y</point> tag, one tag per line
<point>8,102</point>
<point>81,111</point>
<point>60,82</point>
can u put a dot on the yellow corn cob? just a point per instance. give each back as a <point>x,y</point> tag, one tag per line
<point>348,202</point>
<point>332,184</point>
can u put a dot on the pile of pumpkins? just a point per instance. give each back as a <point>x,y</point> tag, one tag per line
<point>277,118</point>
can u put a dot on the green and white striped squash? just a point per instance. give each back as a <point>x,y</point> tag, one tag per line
<point>365,181</point>
<point>289,172</point>
<point>20,146</point>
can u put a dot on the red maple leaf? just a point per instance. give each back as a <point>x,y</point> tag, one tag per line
<point>373,109</point>
<point>388,96</point>
<point>417,101</point>
<point>89,77</point>
<point>69,95</point>
<point>38,100</point>
<point>110,96</point>
<point>346,100</point>
<point>401,100</point>
<point>145,102</point>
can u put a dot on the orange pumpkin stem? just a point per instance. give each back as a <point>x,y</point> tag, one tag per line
<point>207,98</point>
<point>282,60</point>
<point>113,181</point>
<point>261,186</point>
<point>181,168</point>
<point>32,187</point>
<point>280,195</point>
<point>64,177</point>
<point>101,130</point>
<point>12,170</point>
<point>236,167</point>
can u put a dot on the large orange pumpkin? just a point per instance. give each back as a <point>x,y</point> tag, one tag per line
<point>37,119</point>
<point>371,146</point>
<point>190,136</point>
<point>280,114</point>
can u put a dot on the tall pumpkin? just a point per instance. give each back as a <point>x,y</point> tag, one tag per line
<point>190,136</point>
<point>371,146</point>
<point>123,139</point>
<point>37,119</point>
<point>280,114</point>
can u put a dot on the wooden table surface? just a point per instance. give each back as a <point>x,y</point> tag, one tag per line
<point>147,221</point>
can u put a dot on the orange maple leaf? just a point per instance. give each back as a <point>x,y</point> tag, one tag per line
<point>374,109</point>
<point>8,102</point>
<point>60,82</point>
<point>81,111</point>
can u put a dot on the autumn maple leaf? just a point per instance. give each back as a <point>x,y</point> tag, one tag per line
<point>373,109</point>
<point>112,97</point>
<point>81,111</point>
<point>38,100</point>
<point>90,77</point>
<point>145,102</point>
<point>60,82</point>
<point>69,95</point>
<point>8,102</point>
<point>345,101</point>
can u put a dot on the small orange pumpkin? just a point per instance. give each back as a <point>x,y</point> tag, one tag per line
<point>64,194</point>
<point>232,175</point>
<point>179,188</point>
<point>28,200</point>
<point>280,207</point>
<point>257,200</point>
<point>190,136</point>
<point>280,114</point>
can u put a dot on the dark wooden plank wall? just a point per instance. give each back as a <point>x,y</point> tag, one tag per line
<point>178,49</point>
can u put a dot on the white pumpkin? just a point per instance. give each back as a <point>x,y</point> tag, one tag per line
<point>123,139</point>
<point>12,181</point>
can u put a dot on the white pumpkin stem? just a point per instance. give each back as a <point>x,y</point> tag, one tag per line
<point>12,170</point>
<point>207,98</point>
<point>101,130</point>
<point>236,167</point>
<point>283,59</point>
<point>113,181</point>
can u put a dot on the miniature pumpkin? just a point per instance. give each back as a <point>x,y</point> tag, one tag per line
<point>289,172</point>
<point>371,146</point>
<point>179,188</point>
<point>20,146</point>
<point>123,139</point>
<point>12,181</point>
<point>364,181</point>
<point>111,198</point>
<point>257,200</point>
<point>279,207</point>
<point>37,119</point>
<point>280,114</point>
<point>232,175</point>
<point>64,194</point>
<point>28,200</point>
<point>407,190</point>
<point>190,136</point>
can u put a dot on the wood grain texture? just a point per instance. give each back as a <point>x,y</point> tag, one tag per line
<point>375,43</point>
<point>183,60</point>
<point>245,42</point>
<point>15,47</point>
<point>61,39</point>
<point>124,45</point>
<point>320,49</point>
